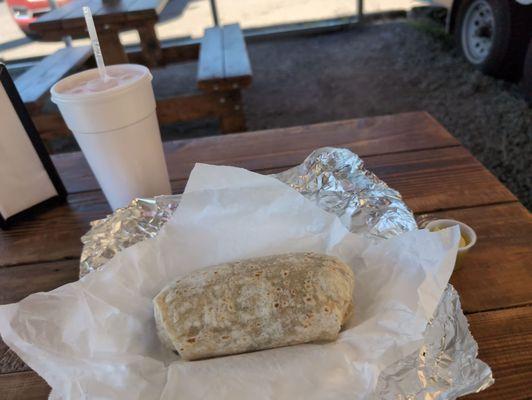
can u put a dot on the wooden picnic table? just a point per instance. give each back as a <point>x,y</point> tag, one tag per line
<point>110,18</point>
<point>411,152</point>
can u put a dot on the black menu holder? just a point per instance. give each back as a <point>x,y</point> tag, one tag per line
<point>29,182</point>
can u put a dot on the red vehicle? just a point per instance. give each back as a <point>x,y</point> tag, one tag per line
<point>27,11</point>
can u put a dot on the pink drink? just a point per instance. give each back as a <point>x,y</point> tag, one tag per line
<point>115,124</point>
<point>119,76</point>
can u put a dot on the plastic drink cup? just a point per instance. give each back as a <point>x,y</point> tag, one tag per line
<point>115,125</point>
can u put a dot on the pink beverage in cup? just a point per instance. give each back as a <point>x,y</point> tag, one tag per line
<point>115,124</point>
<point>122,75</point>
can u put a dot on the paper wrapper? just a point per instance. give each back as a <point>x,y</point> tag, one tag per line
<point>96,338</point>
<point>334,179</point>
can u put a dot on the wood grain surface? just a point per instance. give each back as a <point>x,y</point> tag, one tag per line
<point>419,176</point>
<point>223,61</point>
<point>23,385</point>
<point>211,57</point>
<point>505,342</point>
<point>497,271</point>
<point>236,60</point>
<point>281,147</point>
<point>14,285</point>
<point>411,152</point>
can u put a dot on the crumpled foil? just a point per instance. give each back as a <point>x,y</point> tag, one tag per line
<point>336,180</point>
<point>140,220</point>
<point>445,367</point>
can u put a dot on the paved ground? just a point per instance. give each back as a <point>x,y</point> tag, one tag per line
<point>188,18</point>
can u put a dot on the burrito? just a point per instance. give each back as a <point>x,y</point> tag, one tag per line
<point>255,304</point>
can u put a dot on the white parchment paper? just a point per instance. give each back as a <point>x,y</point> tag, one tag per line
<point>96,338</point>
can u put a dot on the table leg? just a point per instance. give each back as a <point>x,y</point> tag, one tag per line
<point>232,117</point>
<point>150,45</point>
<point>112,50</point>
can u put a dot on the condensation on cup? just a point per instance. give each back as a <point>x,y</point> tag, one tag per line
<point>115,125</point>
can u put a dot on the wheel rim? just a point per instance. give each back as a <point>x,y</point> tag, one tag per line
<point>477,31</point>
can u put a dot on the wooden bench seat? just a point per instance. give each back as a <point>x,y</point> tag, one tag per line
<point>223,60</point>
<point>223,70</point>
<point>34,84</point>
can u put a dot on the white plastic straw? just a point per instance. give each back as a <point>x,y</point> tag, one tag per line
<point>95,43</point>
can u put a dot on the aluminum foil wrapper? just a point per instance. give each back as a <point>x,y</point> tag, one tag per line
<point>336,180</point>
<point>445,367</point>
<point>141,219</point>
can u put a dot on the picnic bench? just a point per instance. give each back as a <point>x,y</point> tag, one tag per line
<point>34,84</point>
<point>224,68</point>
<point>411,152</point>
<point>223,71</point>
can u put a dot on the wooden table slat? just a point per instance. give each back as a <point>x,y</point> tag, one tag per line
<point>211,58</point>
<point>281,147</point>
<point>430,180</point>
<point>23,385</point>
<point>55,234</point>
<point>10,362</point>
<point>20,281</point>
<point>236,61</point>
<point>497,272</point>
<point>35,83</point>
<point>505,343</point>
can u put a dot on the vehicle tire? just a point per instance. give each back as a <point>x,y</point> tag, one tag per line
<point>493,35</point>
